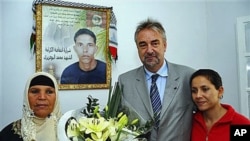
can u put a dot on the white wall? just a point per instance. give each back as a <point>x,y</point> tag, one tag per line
<point>200,34</point>
<point>222,44</point>
<point>1,60</point>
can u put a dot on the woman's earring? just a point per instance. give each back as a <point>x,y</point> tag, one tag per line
<point>221,96</point>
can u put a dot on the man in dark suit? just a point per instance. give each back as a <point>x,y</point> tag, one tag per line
<point>172,119</point>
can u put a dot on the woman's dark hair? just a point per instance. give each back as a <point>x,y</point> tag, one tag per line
<point>211,75</point>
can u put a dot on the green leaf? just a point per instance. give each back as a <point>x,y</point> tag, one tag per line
<point>32,42</point>
<point>114,101</point>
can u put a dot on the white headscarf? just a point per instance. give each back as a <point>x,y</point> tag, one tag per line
<point>34,128</point>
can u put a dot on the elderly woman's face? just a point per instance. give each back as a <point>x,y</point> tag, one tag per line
<point>42,100</point>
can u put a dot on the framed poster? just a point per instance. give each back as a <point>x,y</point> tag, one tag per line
<point>72,44</point>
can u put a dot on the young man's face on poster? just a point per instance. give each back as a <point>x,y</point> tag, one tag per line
<point>85,48</point>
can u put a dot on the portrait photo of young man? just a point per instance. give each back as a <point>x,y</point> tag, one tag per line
<point>88,69</point>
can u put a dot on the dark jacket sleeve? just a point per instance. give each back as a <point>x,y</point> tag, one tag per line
<point>8,134</point>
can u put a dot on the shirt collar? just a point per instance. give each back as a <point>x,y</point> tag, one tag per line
<point>163,71</point>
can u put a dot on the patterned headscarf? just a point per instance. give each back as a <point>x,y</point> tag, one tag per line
<point>32,127</point>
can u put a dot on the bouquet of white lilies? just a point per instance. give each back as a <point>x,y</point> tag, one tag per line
<point>107,124</point>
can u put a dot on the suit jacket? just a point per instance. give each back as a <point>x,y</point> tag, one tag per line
<point>177,105</point>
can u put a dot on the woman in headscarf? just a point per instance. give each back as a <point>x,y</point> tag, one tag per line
<point>41,111</point>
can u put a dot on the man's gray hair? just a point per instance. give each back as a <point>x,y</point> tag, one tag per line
<point>150,24</point>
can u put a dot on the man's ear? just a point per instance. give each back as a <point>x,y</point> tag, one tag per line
<point>96,48</point>
<point>165,46</point>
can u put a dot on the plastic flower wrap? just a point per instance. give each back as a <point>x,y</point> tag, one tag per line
<point>107,124</point>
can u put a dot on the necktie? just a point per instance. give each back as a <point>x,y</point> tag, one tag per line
<point>155,99</point>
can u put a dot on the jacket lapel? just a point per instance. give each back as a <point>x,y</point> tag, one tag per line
<point>170,88</point>
<point>142,90</point>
